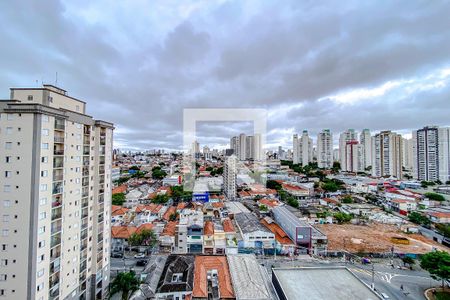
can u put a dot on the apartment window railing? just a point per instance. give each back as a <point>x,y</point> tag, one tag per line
<point>55,240</point>
<point>59,139</point>
<point>56,214</point>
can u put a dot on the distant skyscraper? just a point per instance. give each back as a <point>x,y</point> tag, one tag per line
<point>257,147</point>
<point>56,197</point>
<point>242,146</point>
<point>229,177</point>
<point>346,136</point>
<point>235,145</point>
<point>249,147</point>
<point>354,160</point>
<point>387,154</point>
<point>365,139</point>
<point>295,149</point>
<point>408,155</point>
<point>305,146</point>
<point>431,160</point>
<point>195,147</point>
<point>325,149</point>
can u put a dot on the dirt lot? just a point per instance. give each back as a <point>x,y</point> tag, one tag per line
<point>375,238</point>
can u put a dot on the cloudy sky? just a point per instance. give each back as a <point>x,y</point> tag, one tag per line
<point>343,64</point>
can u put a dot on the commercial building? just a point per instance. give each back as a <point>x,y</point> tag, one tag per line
<point>325,149</point>
<point>309,239</point>
<point>387,154</point>
<point>320,283</point>
<point>56,178</point>
<point>254,234</point>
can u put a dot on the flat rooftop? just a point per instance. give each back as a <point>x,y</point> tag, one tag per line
<point>321,283</point>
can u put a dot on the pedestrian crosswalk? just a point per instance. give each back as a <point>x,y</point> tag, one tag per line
<point>381,275</point>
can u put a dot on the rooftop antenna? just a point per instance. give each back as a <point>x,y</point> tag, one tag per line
<point>37,83</point>
<point>56,79</point>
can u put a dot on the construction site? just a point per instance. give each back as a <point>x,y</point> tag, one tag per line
<point>376,238</point>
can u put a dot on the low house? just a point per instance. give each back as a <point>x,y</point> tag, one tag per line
<point>119,215</point>
<point>230,236</point>
<point>167,237</point>
<point>297,190</point>
<point>177,278</point>
<point>439,216</point>
<point>283,243</point>
<point>212,278</point>
<point>120,236</point>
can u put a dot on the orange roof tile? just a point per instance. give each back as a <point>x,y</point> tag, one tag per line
<point>170,228</point>
<point>208,228</point>
<point>120,189</point>
<point>171,210</point>
<point>269,202</point>
<point>205,263</point>
<point>217,204</point>
<point>119,211</point>
<point>181,205</point>
<point>122,232</point>
<point>228,225</point>
<point>280,235</point>
<point>145,226</point>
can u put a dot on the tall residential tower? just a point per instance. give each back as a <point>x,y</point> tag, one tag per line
<point>55,189</point>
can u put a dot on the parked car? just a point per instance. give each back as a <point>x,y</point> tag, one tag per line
<point>365,261</point>
<point>141,263</point>
<point>117,255</point>
<point>139,255</point>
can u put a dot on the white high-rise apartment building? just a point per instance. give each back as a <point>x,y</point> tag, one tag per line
<point>55,193</point>
<point>346,136</point>
<point>444,154</point>
<point>431,154</point>
<point>242,146</point>
<point>408,155</point>
<point>229,177</point>
<point>387,154</point>
<point>325,149</point>
<point>235,145</point>
<point>365,139</point>
<point>249,147</point>
<point>295,149</point>
<point>354,157</point>
<point>257,147</point>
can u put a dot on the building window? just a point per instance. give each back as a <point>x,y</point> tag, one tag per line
<point>44,146</point>
<point>9,130</point>
<point>3,277</point>
<point>4,262</point>
<point>8,145</point>
<point>8,159</point>
<point>42,201</point>
<point>6,188</point>
<point>6,203</point>
<point>44,159</point>
<point>41,230</point>
<point>42,215</point>
<point>43,187</point>
<point>5,232</point>
<point>6,218</point>
<point>8,174</point>
<point>44,131</point>
<point>44,118</point>
<point>30,97</point>
<point>44,173</point>
<point>41,244</point>
<point>40,273</point>
<point>9,117</point>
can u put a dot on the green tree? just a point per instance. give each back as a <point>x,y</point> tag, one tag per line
<point>118,199</point>
<point>336,166</point>
<point>157,173</point>
<point>444,229</point>
<point>173,217</point>
<point>272,184</point>
<point>292,202</point>
<point>125,283</point>
<point>145,238</point>
<point>330,187</point>
<point>160,199</point>
<point>135,168</point>
<point>263,208</point>
<point>417,218</point>
<point>122,180</point>
<point>347,199</point>
<point>342,217</point>
<point>408,260</point>
<point>437,263</point>
<point>435,196</point>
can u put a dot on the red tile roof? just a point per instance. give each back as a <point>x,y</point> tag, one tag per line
<point>203,264</point>
<point>208,228</point>
<point>171,210</point>
<point>228,225</point>
<point>120,189</point>
<point>122,232</point>
<point>145,226</point>
<point>118,210</point>
<point>280,235</point>
<point>170,228</point>
<point>269,202</point>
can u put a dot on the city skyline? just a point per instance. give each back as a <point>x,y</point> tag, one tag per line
<point>378,69</point>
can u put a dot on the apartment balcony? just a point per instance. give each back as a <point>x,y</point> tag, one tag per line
<point>85,182</point>
<point>59,139</point>
<point>101,190</point>
<point>82,273</point>
<point>101,199</point>
<point>84,202</point>
<point>56,227</point>
<point>85,171</point>
<point>56,201</point>
<point>100,237</point>
<point>84,213</point>
<point>86,150</point>
<point>100,218</point>
<point>54,294</point>
<point>60,125</point>
<point>83,266</point>
<point>102,150</point>
<point>57,188</point>
<point>83,245</point>
<point>101,170</point>
<point>55,253</point>
<point>58,175</point>
<point>99,258</point>
<point>85,192</point>
<point>55,240</point>
<point>55,267</point>
<point>101,161</point>
<point>58,150</point>
<point>83,235</point>
<point>58,162</point>
<point>87,129</point>
<point>56,213</point>
<point>84,224</point>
